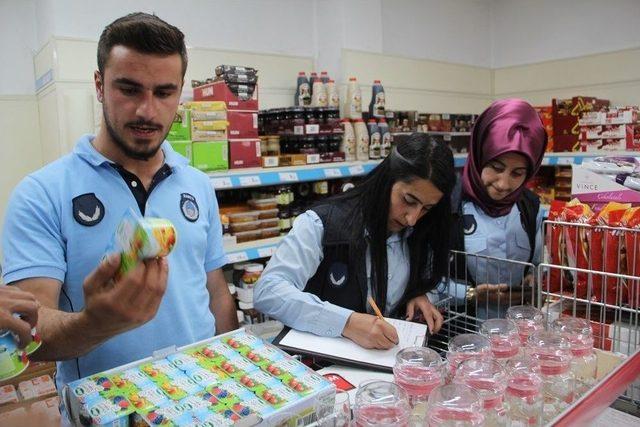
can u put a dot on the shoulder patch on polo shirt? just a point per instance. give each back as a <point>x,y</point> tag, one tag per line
<point>88,210</point>
<point>469,224</point>
<point>338,274</point>
<point>189,207</point>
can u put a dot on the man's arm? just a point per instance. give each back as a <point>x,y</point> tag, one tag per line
<point>221,302</point>
<point>110,307</point>
<point>64,335</point>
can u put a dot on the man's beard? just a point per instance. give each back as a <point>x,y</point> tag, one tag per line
<point>122,145</point>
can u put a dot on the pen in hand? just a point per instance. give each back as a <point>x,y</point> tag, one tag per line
<point>377,311</point>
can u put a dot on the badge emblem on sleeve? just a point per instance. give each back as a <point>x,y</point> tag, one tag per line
<point>338,274</point>
<point>88,210</point>
<point>189,207</point>
<point>469,224</point>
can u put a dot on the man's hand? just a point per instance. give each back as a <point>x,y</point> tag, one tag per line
<point>113,307</point>
<point>430,313</point>
<point>500,293</point>
<point>15,301</point>
<point>370,332</point>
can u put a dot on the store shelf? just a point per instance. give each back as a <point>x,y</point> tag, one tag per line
<point>257,177</point>
<point>434,133</point>
<point>252,250</point>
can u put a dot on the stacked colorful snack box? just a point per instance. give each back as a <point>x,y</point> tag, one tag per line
<point>235,379</point>
<point>237,88</point>
<point>199,132</point>
<point>546,115</point>
<point>209,134</point>
<point>610,129</point>
<point>566,113</point>
<point>593,247</point>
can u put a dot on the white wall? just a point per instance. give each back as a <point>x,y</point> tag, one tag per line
<point>17,44</point>
<point>527,31</point>
<point>273,26</point>
<point>442,30</point>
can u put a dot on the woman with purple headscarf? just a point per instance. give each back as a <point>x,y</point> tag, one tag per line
<point>494,214</point>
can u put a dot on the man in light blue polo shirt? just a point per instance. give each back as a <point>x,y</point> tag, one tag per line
<point>61,219</point>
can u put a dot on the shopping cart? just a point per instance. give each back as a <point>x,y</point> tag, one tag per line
<point>589,272</point>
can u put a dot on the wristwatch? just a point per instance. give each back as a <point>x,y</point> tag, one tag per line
<point>470,294</point>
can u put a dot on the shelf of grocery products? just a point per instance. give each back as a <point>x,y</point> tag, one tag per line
<point>258,177</point>
<point>264,248</point>
<point>248,251</point>
<point>435,133</point>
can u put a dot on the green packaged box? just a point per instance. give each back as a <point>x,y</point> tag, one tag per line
<point>181,126</point>
<point>211,155</point>
<point>183,148</point>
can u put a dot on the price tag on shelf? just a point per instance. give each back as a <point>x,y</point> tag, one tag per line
<point>221,183</point>
<point>250,181</point>
<point>447,137</point>
<point>266,252</point>
<point>546,161</point>
<point>333,173</point>
<point>356,170</point>
<point>565,160</point>
<point>312,129</point>
<point>234,257</point>
<point>298,130</point>
<point>270,161</point>
<point>288,176</point>
<point>312,159</point>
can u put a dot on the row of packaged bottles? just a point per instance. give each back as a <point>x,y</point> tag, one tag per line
<point>322,92</point>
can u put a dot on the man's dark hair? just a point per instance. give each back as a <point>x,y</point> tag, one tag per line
<point>144,33</point>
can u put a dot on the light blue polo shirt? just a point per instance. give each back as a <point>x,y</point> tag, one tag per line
<point>55,228</point>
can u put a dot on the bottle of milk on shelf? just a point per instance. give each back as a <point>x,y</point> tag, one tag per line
<point>333,99</point>
<point>348,146</point>
<point>353,101</point>
<point>362,139</point>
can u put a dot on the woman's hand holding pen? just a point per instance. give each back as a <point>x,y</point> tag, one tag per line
<point>369,331</point>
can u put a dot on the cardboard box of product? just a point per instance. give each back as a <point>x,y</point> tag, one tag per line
<point>294,159</point>
<point>593,188</point>
<point>546,115</point>
<point>181,127</point>
<point>613,116</point>
<point>183,148</point>
<point>208,135</point>
<point>220,91</point>
<point>242,124</point>
<point>234,377</point>
<point>566,113</point>
<point>210,155</point>
<point>206,108</point>
<point>209,125</point>
<point>244,153</point>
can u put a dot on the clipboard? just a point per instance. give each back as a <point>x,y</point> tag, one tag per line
<point>346,352</point>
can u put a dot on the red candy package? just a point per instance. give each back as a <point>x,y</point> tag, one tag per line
<point>577,242</point>
<point>555,244</point>
<point>631,219</point>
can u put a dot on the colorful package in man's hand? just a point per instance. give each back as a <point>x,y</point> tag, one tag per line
<point>138,238</point>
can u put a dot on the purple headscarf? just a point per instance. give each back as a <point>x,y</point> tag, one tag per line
<point>507,126</point>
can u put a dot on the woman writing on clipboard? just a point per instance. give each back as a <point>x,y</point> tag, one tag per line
<point>386,238</point>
